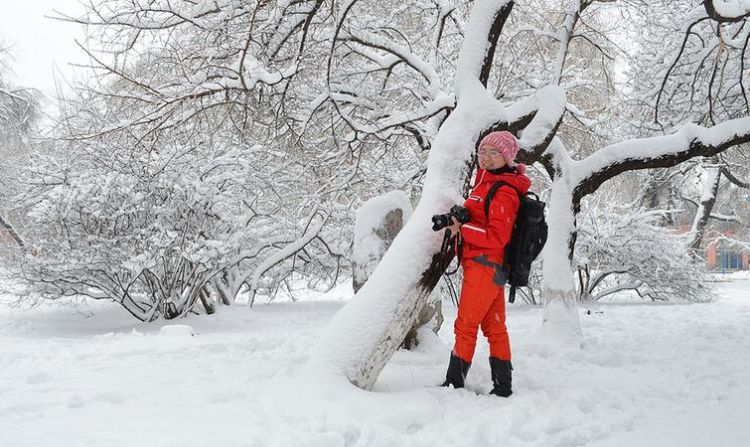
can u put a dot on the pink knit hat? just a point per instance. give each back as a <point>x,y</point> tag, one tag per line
<point>507,144</point>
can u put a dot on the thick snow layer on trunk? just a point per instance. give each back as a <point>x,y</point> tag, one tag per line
<point>560,322</point>
<point>561,220</point>
<point>363,336</point>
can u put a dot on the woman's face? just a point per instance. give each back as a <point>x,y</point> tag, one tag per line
<point>490,158</point>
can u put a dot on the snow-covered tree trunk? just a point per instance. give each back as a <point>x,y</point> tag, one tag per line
<point>558,290</point>
<point>560,318</point>
<point>363,336</point>
<point>705,207</point>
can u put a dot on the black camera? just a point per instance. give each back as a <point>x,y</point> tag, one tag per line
<point>440,221</point>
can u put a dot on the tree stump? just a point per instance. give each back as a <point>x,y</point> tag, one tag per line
<point>379,220</point>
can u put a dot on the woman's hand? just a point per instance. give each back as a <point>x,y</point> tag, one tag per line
<point>456,227</point>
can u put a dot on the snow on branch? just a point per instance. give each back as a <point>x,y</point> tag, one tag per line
<point>733,242</point>
<point>627,249</point>
<point>564,35</point>
<point>289,250</point>
<point>399,118</point>
<point>707,201</point>
<point>475,51</point>
<point>727,10</point>
<point>714,216</point>
<point>426,70</point>
<point>690,141</point>
<point>535,31</point>
<point>445,10</point>
<point>551,105</point>
<point>733,179</point>
<point>726,218</point>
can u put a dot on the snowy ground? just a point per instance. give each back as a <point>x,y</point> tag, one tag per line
<point>647,375</point>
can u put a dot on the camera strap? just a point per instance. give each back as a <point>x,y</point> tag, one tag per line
<point>445,250</point>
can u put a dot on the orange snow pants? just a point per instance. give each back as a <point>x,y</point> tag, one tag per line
<point>482,303</point>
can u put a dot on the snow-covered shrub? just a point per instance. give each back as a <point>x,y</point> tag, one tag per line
<point>148,230</point>
<point>625,249</point>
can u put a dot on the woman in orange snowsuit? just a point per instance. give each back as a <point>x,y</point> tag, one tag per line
<point>484,237</point>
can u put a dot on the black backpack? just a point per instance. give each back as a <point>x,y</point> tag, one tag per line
<point>527,238</point>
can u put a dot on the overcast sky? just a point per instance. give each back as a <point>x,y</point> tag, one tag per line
<point>39,44</point>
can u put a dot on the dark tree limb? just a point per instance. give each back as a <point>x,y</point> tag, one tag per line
<point>731,177</point>
<point>16,237</point>
<point>688,32</point>
<point>492,38</point>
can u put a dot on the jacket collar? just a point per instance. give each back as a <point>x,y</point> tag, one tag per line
<point>510,176</point>
<point>504,170</point>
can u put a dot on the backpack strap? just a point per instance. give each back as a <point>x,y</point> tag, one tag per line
<point>487,201</point>
<point>491,195</point>
<point>512,296</point>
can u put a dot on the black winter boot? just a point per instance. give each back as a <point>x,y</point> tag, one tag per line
<point>457,370</point>
<point>501,377</point>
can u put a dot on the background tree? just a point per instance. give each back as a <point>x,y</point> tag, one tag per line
<point>624,248</point>
<point>19,113</point>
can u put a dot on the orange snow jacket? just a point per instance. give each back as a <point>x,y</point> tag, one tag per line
<point>487,235</point>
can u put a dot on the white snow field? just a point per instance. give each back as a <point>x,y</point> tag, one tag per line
<point>647,375</point>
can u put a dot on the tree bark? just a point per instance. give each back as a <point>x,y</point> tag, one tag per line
<point>11,232</point>
<point>705,207</point>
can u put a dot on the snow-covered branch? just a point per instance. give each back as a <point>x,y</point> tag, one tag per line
<point>550,108</point>
<point>727,10</point>
<point>287,251</point>
<point>732,178</point>
<point>564,35</point>
<point>424,69</point>
<point>624,249</point>
<point>477,56</point>
<point>688,142</point>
